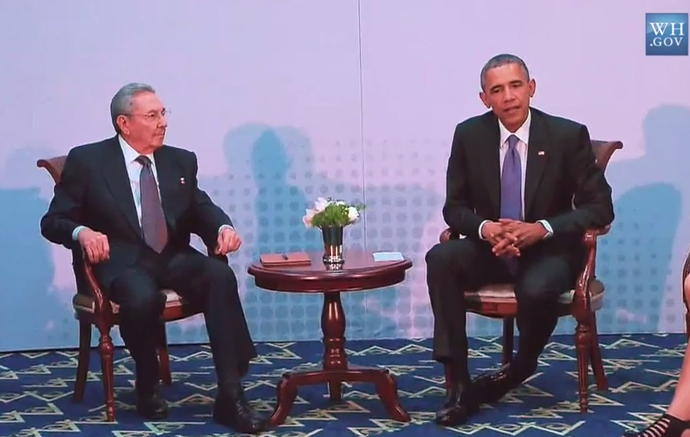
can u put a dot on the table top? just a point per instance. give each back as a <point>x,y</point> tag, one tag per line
<point>359,272</point>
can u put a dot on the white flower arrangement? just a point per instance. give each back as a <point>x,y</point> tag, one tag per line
<point>329,213</point>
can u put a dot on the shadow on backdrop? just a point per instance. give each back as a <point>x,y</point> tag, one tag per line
<point>271,180</point>
<point>35,314</point>
<point>636,259</point>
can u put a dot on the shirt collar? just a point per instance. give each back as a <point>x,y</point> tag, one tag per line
<point>129,153</point>
<point>522,132</point>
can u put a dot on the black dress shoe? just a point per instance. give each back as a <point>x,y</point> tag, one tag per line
<point>491,387</point>
<point>460,404</point>
<point>232,409</point>
<point>453,396</point>
<point>150,404</point>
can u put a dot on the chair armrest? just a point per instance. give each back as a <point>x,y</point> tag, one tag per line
<point>448,234</point>
<point>581,299</point>
<point>594,233</point>
<point>101,303</point>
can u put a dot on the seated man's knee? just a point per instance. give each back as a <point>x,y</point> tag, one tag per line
<point>536,298</point>
<point>434,255</point>
<point>138,295</point>
<point>149,304</point>
<point>539,290</point>
<point>545,280</point>
<point>219,272</point>
<point>447,254</point>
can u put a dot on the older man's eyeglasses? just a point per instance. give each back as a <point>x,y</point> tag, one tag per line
<point>153,116</point>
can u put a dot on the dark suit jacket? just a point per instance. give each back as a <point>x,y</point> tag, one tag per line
<point>562,182</point>
<point>94,191</point>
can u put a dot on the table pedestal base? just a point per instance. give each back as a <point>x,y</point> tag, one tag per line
<point>385,386</point>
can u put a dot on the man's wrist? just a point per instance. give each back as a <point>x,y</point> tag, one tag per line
<point>220,229</point>
<point>481,226</point>
<point>76,231</point>
<point>547,226</point>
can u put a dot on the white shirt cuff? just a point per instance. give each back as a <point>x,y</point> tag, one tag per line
<point>223,227</point>
<point>481,225</point>
<point>547,226</point>
<point>76,231</point>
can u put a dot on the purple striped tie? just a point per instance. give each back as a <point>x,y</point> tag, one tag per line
<point>511,182</point>
<point>511,190</point>
<point>152,217</point>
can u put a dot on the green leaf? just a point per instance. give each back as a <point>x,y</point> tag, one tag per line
<point>335,214</point>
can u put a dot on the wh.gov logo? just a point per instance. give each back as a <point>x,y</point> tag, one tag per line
<point>667,34</point>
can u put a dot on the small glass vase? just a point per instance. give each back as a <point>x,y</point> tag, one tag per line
<point>332,245</point>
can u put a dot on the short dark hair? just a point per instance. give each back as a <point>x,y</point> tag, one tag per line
<point>497,61</point>
<point>121,103</point>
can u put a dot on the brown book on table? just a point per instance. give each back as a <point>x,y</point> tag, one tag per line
<point>285,259</point>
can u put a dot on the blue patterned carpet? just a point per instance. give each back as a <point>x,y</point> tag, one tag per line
<point>35,392</point>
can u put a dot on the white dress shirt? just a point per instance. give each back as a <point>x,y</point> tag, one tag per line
<point>522,133</point>
<point>133,173</point>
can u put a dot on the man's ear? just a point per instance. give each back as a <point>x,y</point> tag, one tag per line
<point>122,123</point>
<point>485,100</point>
<point>532,87</point>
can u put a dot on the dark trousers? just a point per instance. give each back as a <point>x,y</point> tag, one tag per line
<point>544,271</point>
<point>206,281</point>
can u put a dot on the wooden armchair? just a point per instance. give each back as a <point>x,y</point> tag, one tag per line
<point>92,307</point>
<point>498,300</point>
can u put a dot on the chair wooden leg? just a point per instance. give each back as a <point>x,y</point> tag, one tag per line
<point>105,348</point>
<point>597,363</point>
<point>335,390</point>
<point>82,360</point>
<point>508,331</point>
<point>163,357</point>
<point>583,339</point>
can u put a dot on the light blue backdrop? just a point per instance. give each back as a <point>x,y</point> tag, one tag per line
<point>284,101</point>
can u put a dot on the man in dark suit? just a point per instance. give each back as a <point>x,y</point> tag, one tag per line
<point>522,186</point>
<point>129,203</point>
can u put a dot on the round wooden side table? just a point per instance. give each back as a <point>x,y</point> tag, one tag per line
<point>359,272</point>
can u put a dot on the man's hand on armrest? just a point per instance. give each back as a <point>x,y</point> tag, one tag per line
<point>93,244</point>
<point>228,240</point>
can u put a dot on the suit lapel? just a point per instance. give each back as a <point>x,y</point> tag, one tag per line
<point>115,175</point>
<point>537,157</point>
<point>489,159</point>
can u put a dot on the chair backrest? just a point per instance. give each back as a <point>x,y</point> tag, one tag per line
<point>53,165</point>
<point>603,150</point>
